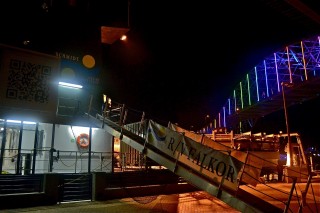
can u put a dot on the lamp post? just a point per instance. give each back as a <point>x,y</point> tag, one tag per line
<point>206,123</point>
<point>283,85</point>
<point>238,127</point>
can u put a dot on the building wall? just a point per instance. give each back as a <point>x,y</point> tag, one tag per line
<point>68,156</point>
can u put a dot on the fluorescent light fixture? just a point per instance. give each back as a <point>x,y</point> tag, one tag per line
<point>64,84</point>
<point>18,122</point>
<point>29,122</point>
<point>14,121</point>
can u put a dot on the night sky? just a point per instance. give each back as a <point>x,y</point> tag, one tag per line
<point>182,59</point>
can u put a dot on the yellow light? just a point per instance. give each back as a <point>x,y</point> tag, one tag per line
<point>123,38</point>
<point>88,61</point>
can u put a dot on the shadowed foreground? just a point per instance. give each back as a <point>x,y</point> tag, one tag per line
<point>197,201</point>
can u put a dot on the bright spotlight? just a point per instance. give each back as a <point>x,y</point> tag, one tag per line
<point>69,85</point>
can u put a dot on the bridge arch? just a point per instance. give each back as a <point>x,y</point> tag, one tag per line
<point>294,69</point>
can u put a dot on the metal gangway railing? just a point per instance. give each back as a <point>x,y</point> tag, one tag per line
<point>133,128</point>
<point>135,133</point>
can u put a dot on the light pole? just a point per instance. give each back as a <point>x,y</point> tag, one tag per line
<point>289,154</point>
<point>206,120</point>
<point>239,124</point>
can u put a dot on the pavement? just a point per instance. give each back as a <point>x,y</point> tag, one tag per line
<point>198,201</point>
<point>278,195</point>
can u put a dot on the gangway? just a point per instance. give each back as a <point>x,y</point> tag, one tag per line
<point>218,178</point>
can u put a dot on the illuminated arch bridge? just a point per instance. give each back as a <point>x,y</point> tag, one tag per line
<point>295,70</point>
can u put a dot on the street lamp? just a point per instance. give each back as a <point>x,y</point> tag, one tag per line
<point>289,154</point>
<point>239,124</point>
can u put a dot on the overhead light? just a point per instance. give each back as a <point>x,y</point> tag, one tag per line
<point>13,121</point>
<point>64,84</point>
<point>123,38</point>
<point>18,122</point>
<point>29,122</point>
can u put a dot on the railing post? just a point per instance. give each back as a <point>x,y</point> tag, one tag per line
<point>141,122</point>
<point>290,195</point>
<point>75,165</point>
<point>89,154</point>
<point>18,171</point>
<point>52,148</point>
<point>121,115</point>
<point>4,139</point>
<point>104,110</point>
<point>35,147</point>
<point>125,117</point>
<point>101,161</point>
<point>305,192</point>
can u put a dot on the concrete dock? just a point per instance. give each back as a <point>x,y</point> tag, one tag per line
<point>197,201</point>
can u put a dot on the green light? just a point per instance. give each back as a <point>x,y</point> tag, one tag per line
<point>249,96</point>
<point>241,95</point>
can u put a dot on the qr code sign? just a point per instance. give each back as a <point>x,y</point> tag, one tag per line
<point>28,81</point>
